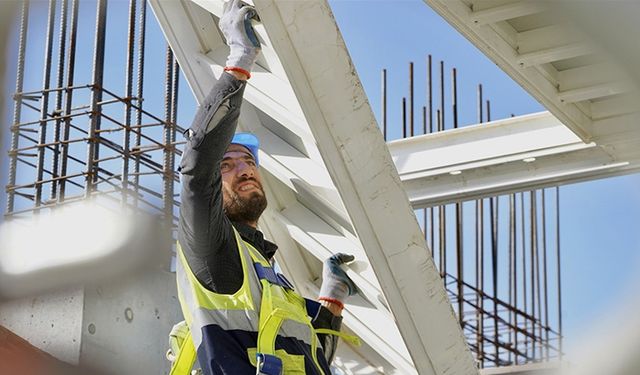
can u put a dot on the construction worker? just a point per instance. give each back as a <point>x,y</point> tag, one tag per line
<point>243,317</point>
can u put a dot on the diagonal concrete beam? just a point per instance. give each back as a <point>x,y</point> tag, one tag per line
<point>305,36</point>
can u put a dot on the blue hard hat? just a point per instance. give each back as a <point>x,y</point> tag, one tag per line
<point>248,140</point>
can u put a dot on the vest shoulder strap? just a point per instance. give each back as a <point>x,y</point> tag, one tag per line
<point>186,357</point>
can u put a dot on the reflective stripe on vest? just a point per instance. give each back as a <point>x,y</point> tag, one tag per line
<point>260,305</point>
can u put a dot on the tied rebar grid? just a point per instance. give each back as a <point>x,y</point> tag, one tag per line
<point>92,143</point>
<point>505,316</point>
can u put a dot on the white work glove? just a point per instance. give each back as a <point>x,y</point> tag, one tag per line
<point>336,285</point>
<point>235,25</point>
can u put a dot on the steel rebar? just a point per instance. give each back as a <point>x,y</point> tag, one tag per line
<point>71,61</point>
<point>128,96</point>
<point>383,114</point>
<point>44,101</point>
<point>17,109</point>
<point>404,117</point>
<point>411,130</point>
<point>55,160</point>
<point>96,96</point>
<point>139,91</point>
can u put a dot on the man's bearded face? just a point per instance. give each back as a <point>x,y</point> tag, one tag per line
<point>243,197</point>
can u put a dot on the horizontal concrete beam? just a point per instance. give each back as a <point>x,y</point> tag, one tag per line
<point>505,156</point>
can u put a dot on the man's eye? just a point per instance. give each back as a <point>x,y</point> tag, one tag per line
<point>225,167</point>
<point>251,163</point>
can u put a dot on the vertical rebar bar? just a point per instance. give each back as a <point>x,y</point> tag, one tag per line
<point>411,130</point>
<point>167,191</point>
<point>17,109</point>
<point>429,94</point>
<point>404,117</point>
<point>128,94</point>
<point>512,266</point>
<point>442,210</point>
<point>383,114</point>
<point>558,276</point>
<point>545,275</point>
<point>139,92</point>
<point>71,62</point>
<point>55,160</point>
<point>96,96</point>
<point>44,102</point>
<point>480,258</point>
<point>430,119</point>
<point>494,203</point>
<point>442,117</point>
<point>524,271</point>
<point>458,217</point>
<point>538,314</point>
<point>442,239</point>
<point>424,119</point>
<point>174,119</point>
<point>533,243</point>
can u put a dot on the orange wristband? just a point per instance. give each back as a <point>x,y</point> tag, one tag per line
<point>239,70</point>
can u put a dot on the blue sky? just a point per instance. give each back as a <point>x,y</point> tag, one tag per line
<point>599,238</point>
<point>600,242</point>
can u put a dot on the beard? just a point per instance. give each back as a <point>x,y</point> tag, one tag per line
<point>244,209</point>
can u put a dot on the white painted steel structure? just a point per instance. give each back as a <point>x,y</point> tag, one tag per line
<point>580,61</point>
<point>332,185</point>
<point>504,156</point>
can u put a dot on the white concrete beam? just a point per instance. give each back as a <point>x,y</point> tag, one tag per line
<point>489,39</point>
<point>483,16</point>
<point>516,154</point>
<point>358,161</point>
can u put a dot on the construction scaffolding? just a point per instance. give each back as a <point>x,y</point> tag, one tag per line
<point>77,136</point>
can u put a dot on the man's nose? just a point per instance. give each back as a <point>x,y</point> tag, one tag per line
<point>244,169</point>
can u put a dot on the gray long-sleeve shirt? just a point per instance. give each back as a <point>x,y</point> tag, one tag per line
<point>204,232</point>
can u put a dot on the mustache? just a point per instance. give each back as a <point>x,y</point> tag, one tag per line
<point>245,179</point>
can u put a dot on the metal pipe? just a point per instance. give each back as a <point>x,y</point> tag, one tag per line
<point>17,109</point>
<point>128,97</point>
<point>96,96</point>
<point>71,62</point>
<point>384,103</point>
<point>44,103</point>
<point>411,131</point>
<point>58,105</point>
